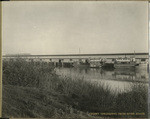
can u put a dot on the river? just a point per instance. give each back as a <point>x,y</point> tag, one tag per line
<point>118,80</point>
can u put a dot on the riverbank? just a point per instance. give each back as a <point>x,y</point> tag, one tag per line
<point>35,90</point>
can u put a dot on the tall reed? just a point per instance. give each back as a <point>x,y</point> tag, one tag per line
<point>39,82</point>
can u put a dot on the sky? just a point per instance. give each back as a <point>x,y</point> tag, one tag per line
<point>86,27</point>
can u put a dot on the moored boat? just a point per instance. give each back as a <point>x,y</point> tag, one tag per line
<point>125,63</point>
<point>108,64</point>
<point>95,63</point>
<point>82,64</point>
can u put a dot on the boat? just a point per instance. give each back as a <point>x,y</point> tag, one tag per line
<point>81,64</point>
<point>108,64</point>
<point>95,63</point>
<point>125,63</point>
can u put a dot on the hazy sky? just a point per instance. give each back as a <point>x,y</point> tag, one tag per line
<point>62,27</point>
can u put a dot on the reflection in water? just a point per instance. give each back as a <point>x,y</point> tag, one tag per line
<point>117,79</point>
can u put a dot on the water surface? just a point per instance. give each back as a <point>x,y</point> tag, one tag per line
<point>119,80</point>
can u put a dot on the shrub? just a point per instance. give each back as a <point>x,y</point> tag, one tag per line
<point>77,94</point>
<point>22,73</point>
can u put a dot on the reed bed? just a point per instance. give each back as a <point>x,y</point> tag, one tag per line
<point>33,89</point>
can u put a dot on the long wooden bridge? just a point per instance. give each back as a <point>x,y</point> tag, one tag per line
<point>140,57</point>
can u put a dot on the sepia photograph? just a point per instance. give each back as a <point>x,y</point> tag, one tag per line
<point>75,59</point>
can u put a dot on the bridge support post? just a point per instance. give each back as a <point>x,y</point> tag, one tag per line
<point>55,64</point>
<point>62,64</point>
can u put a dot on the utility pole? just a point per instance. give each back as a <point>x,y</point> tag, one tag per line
<point>79,50</point>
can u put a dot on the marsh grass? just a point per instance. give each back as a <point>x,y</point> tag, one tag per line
<point>35,90</point>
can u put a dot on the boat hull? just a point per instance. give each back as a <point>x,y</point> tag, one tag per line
<point>124,65</point>
<point>94,66</point>
<point>83,65</point>
<point>108,66</point>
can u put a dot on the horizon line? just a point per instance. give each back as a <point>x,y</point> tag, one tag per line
<point>28,54</point>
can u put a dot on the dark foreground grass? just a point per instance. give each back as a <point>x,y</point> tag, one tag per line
<point>34,90</point>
